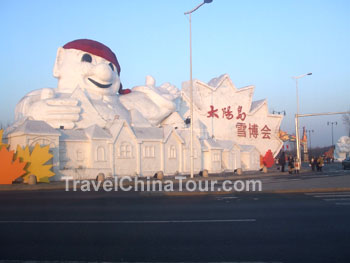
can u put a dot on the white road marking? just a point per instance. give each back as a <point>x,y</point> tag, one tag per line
<point>337,199</point>
<point>326,196</point>
<point>124,221</point>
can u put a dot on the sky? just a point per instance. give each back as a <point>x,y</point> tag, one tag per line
<point>260,43</point>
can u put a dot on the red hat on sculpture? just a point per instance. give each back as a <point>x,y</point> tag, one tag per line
<point>94,48</point>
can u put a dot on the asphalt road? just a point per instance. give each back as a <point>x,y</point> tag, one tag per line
<point>77,226</point>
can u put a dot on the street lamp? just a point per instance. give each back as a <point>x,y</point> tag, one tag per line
<point>191,82</point>
<point>331,123</point>
<point>298,160</point>
<point>279,112</point>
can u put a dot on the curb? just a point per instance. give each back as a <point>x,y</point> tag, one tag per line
<point>62,186</point>
<point>290,191</point>
<point>314,190</point>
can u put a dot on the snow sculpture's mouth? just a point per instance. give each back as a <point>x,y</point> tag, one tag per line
<point>102,86</point>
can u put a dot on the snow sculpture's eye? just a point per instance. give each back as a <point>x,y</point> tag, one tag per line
<point>86,58</point>
<point>111,65</point>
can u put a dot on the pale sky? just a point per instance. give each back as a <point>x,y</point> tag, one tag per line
<point>261,43</point>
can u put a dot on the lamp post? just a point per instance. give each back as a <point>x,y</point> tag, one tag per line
<point>191,82</point>
<point>332,123</point>
<point>298,160</point>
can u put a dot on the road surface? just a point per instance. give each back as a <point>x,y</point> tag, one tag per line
<point>101,226</point>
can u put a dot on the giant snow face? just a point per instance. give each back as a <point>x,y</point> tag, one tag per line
<point>76,68</point>
<point>87,92</point>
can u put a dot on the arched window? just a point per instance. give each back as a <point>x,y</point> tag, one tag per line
<point>101,154</point>
<point>125,150</point>
<point>216,157</point>
<point>172,152</point>
<point>42,141</point>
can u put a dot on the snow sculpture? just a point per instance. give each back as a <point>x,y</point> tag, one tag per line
<point>231,114</point>
<point>88,75</point>
<point>91,129</point>
<point>342,148</point>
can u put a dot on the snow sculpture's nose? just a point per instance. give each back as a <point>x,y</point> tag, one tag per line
<point>103,72</point>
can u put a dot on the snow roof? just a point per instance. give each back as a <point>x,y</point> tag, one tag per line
<point>226,144</point>
<point>203,145</point>
<point>34,127</point>
<point>148,133</point>
<point>173,119</point>
<point>73,135</point>
<point>257,104</point>
<point>168,130</point>
<point>247,148</point>
<point>185,135</point>
<point>96,132</point>
<point>212,144</point>
<point>116,126</point>
<point>214,82</point>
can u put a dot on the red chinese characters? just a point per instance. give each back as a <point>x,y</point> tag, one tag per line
<point>266,131</point>
<point>227,113</point>
<point>241,129</point>
<point>241,115</point>
<point>253,130</point>
<point>213,112</point>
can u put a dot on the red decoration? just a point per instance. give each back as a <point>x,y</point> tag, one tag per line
<point>268,159</point>
<point>95,48</point>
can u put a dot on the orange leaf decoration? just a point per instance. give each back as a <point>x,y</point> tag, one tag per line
<point>1,143</point>
<point>10,170</point>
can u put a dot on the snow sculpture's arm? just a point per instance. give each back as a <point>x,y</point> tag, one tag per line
<point>154,103</point>
<point>45,105</point>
